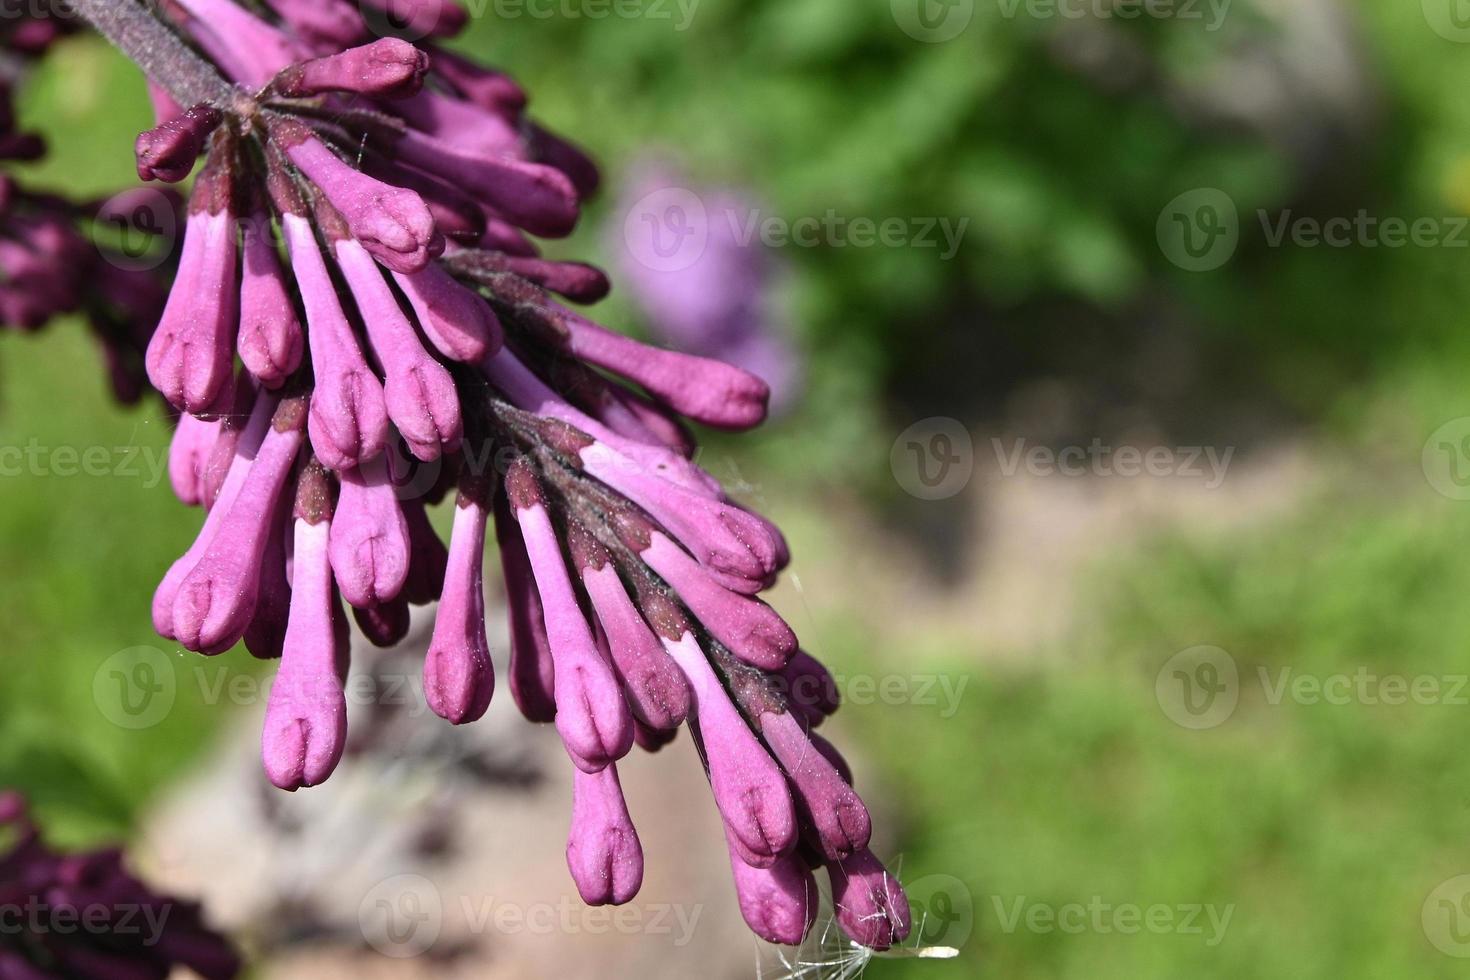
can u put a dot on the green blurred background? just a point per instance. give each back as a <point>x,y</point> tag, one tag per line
<point>1335,544</point>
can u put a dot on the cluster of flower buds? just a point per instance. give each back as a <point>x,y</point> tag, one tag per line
<point>358,235</point>
<point>49,264</point>
<point>85,917</point>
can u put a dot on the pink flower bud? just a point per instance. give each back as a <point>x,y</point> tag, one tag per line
<point>388,69</point>
<point>391,222</point>
<point>835,817</point>
<point>656,689</point>
<point>245,450</point>
<point>459,324</point>
<point>306,719</point>
<point>458,677</point>
<point>349,422</point>
<point>216,602</point>
<point>603,852</point>
<point>189,357</point>
<point>168,151</point>
<point>779,903</point>
<point>532,674</point>
<point>369,545</point>
<point>750,628</point>
<point>749,787</point>
<point>591,715</point>
<point>419,393</point>
<point>270,339</point>
<point>870,903</point>
<point>188,452</point>
<point>707,391</point>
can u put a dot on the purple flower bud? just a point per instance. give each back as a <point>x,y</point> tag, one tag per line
<point>829,751</point>
<point>232,421</point>
<point>306,718</point>
<point>168,151</point>
<point>248,48</point>
<point>327,23</point>
<point>388,68</point>
<point>458,676</point>
<point>711,392</point>
<point>870,903</point>
<point>566,157</point>
<point>731,543</point>
<point>591,715</point>
<point>265,637</point>
<point>459,324</point>
<point>652,739</point>
<point>270,339</point>
<point>458,217</point>
<point>750,628</point>
<point>464,126</point>
<point>577,281</point>
<point>190,355</point>
<point>428,557</point>
<point>502,236</point>
<point>532,674</point>
<point>836,817</point>
<point>369,545</point>
<point>216,601</point>
<point>391,222</point>
<point>749,788</point>
<point>188,452</point>
<point>349,422</point>
<point>245,451</point>
<point>657,691</point>
<point>533,196</point>
<point>810,688</point>
<point>485,87</point>
<point>419,393</point>
<point>384,625</point>
<point>603,852</point>
<point>779,903</point>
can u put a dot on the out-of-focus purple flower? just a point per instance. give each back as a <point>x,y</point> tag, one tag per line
<point>48,267</point>
<point>84,916</point>
<point>398,342</point>
<point>703,284</point>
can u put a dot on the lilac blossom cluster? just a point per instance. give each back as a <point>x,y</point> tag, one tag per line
<point>49,265</point>
<point>83,916</point>
<point>360,237</point>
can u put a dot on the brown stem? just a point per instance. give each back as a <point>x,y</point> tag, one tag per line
<point>139,33</point>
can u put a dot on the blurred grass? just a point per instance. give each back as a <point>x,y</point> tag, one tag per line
<point>1325,826</point>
